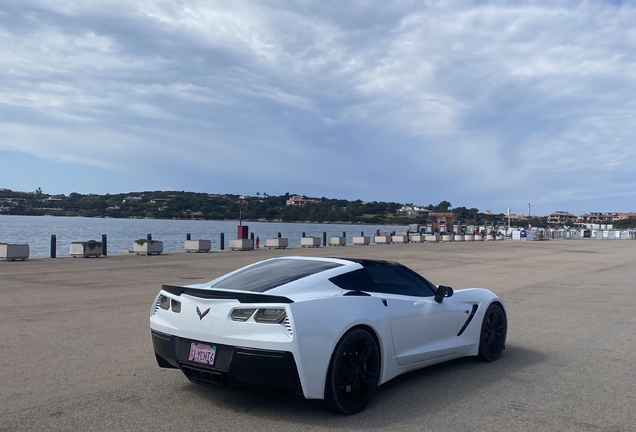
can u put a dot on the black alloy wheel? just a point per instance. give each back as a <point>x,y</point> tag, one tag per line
<point>353,373</point>
<point>492,339</point>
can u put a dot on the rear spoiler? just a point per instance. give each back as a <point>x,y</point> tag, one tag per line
<point>242,297</point>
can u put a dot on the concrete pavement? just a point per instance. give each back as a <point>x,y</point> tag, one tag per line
<point>75,349</point>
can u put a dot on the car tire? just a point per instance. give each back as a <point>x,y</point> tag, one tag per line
<point>492,338</point>
<point>353,373</point>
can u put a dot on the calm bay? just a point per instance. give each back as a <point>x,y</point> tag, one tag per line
<point>121,233</point>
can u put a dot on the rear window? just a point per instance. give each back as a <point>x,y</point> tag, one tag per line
<point>271,274</point>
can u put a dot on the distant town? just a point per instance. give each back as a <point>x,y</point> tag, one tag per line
<point>281,208</point>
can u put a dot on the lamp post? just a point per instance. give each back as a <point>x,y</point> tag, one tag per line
<point>509,232</point>
<point>242,230</point>
<point>241,203</point>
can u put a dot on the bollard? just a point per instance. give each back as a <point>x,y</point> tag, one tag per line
<point>252,236</point>
<point>303,234</point>
<point>258,240</point>
<point>279,235</point>
<point>222,241</point>
<point>188,236</point>
<point>53,246</point>
<point>361,233</point>
<point>377,232</point>
<point>344,234</point>
<point>149,237</point>
<point>104,245</point>
<point>324,238</point>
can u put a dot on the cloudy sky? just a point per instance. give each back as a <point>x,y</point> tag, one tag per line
<point>486,104</point>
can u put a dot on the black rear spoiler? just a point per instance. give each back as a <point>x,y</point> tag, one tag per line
<point>242,297</point>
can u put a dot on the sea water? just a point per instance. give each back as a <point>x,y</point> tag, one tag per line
<point>122,233</point>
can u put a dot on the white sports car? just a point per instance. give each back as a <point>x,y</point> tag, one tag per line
<point>324,328</point>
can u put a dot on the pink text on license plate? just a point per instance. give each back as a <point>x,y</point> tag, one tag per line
<point>202,353</point>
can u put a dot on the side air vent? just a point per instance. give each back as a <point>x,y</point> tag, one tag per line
<point>156,306</point>
<point>288,326</point>
<point>470,318</point>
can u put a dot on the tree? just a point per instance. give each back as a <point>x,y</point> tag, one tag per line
<point>443,206</point>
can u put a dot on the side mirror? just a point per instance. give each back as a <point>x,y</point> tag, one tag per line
<point>443,291</point>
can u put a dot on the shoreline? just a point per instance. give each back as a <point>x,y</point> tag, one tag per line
<point>218,220</point>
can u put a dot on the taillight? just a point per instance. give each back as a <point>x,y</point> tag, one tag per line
<point>264,315</point>
<point>176,305</point>
<point>270,315</point>
<point>241,314</point>
<point>167,303</point>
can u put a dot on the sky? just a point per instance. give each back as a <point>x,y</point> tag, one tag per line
<point>485,104</point>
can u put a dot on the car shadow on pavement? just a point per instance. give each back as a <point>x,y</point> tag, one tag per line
<point>410,395</point>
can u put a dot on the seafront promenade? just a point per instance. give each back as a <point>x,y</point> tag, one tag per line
<point>75,349</point>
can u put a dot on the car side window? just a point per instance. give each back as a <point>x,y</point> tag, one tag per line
<point>385,278</point>
<point>428,289</point>
<point>393,279</point>
<point>357,280</point>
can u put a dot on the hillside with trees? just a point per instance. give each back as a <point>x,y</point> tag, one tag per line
<point>193,205</point>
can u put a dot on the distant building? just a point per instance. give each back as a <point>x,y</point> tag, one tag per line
<point>301,200</point>
<point>624,216</point>
<point>159,200</point>
<point>191,213</point>
<point>441,221</point>
<point>12,201</point>
<point>412,210</point>
<point>49,209</point>
<point>597,218</point>
<point>514,216</point>
<point>560,218</point>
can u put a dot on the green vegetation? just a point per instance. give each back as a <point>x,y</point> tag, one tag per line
<point>625,224</point>
<point>262,207</point>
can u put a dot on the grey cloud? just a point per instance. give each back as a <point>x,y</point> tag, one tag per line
<point>477,103</point>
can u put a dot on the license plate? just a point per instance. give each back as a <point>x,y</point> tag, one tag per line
<point>202,353</point>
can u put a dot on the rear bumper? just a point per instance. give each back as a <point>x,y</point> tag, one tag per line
<point>233,366</point>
